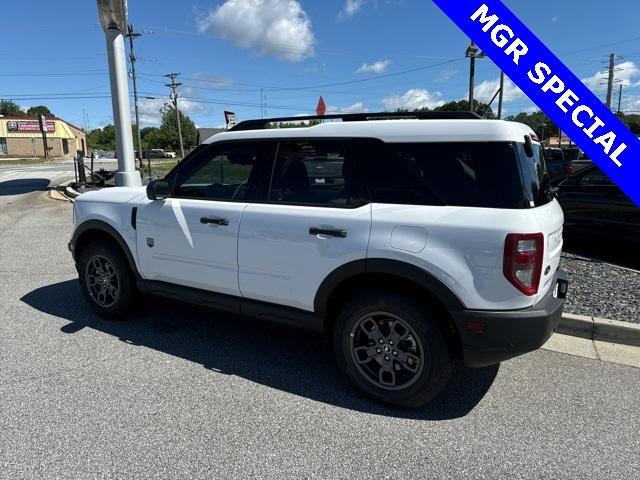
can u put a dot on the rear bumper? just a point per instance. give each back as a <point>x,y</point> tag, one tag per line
<point>508,334</point>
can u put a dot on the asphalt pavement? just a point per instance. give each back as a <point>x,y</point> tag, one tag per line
<point>179,392</point>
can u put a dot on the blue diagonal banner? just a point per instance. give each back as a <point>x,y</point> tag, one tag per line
<point>552,87</point>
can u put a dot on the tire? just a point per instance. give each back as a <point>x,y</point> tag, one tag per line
<point>410,371</point>
<point>101,262</point>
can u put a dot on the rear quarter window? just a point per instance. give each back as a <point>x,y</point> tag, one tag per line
<point>473,174</point>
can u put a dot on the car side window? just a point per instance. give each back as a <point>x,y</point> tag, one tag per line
<point>595,177</point>
<point>315,172</point>
<point>227,171</point>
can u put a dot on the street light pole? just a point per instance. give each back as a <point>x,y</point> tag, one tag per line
<point>472,53</point>
<point>132,35</point>
<point>113,16</point>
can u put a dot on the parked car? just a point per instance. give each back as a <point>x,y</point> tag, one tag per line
<point>416,249</point>
<point>158,153</point>
<point>558,165</point>
<point>591,201</point>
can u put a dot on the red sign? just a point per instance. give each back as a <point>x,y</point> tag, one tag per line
<point>28,126</point>
<point>321,109</point>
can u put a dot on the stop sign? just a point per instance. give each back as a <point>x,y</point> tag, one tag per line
<point>321,108</point>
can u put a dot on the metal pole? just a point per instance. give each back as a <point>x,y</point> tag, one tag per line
<point>620,101</point>
<point>612,66</point>
<point>472,74</point>
<point>501,99</point>
<point>132,57</point>
<point>127,175</point>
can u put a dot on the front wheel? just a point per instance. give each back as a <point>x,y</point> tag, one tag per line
<point>392,349</point>
<point>106,280</point>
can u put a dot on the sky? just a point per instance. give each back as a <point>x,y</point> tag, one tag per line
<point>276,57</point>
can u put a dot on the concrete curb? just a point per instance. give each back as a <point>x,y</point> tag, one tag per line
<point>602,329</point>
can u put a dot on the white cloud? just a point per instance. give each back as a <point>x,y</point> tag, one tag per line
<point>351,7</point>
<point>487,89</point>
<point>357,107</point>
<point>413,99</point>
<point>446,75</point>
<point>380,66</point>
<point>270,27</point>
<point>626,73</point>
<point>151,110</point>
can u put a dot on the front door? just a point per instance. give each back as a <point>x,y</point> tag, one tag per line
<point>191,238</point>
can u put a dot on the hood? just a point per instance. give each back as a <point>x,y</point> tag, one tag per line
<point>112,195</point>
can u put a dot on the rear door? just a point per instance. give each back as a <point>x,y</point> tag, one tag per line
<point>313,219</point>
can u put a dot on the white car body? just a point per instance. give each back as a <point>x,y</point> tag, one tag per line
<point>266,253</point>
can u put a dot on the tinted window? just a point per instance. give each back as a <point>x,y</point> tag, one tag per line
<point>536,181</point>
<point>475,174</point>
<point>389,179</point>
<point>221,172</point>
<point>315,173</point>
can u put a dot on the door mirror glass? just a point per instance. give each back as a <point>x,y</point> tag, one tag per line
<point>158,190</point>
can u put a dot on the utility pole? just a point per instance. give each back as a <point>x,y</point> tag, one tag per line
<point>174,97</point>
<point>132,35</point>
<point>501,99</point>
<point>612,66</point>
<point>620,101</point>
<point>472,53</point>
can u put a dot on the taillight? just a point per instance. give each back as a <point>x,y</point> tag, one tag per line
<point>523,255</point>
<point>568,168</point>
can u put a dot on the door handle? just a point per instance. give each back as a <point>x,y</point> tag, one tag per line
<point>215,221</point>
<point>330,232</point>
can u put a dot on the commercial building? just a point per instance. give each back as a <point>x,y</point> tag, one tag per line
<point>21,137</point>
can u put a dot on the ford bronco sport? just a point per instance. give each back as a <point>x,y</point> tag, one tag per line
<point>410,241</point>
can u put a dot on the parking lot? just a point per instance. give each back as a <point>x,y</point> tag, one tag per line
<point>185,393</point>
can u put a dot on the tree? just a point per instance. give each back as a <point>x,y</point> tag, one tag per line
<point>169,130</point>
<point>632,121</point>
<point>40,110</point>
<point>463,106</point>
<point>102,138</point>
<point>10,109</point>
<point>539,123</point>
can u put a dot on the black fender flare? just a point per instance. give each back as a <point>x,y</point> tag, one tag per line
<point>103,227</point>
<point>396,268</point>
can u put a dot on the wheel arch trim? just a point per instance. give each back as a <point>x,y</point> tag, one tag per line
<point>396,268</point>
<point>106,229</point>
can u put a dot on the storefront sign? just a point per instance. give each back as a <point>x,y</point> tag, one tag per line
<point>30,126</point>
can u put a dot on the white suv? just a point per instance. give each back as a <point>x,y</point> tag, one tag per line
<point>410,241</point>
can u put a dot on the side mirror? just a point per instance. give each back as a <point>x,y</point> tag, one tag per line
<point>158,190</point>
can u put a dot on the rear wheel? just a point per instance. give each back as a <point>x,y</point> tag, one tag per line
<point>106,280</point>
<point>392,349</point>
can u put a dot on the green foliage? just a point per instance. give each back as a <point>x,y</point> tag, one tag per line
<point>102,138</point>
<point>169,130</point>
<point>461,106</point>
<point>10,109</point>
<point>539,123</point>
<point>40,110</point>
<point>632,122</point>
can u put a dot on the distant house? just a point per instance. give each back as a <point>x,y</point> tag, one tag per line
<point>206,133</point>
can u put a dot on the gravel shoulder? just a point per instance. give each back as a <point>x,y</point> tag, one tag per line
<point>602,289</point>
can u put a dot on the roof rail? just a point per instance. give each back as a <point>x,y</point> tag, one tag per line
<point>263,123</point>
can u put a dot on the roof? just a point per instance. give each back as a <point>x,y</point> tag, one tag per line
<point>396,131</point>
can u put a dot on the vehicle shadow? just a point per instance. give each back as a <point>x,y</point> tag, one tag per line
<point>283,358</point>
<point>21,186</point>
